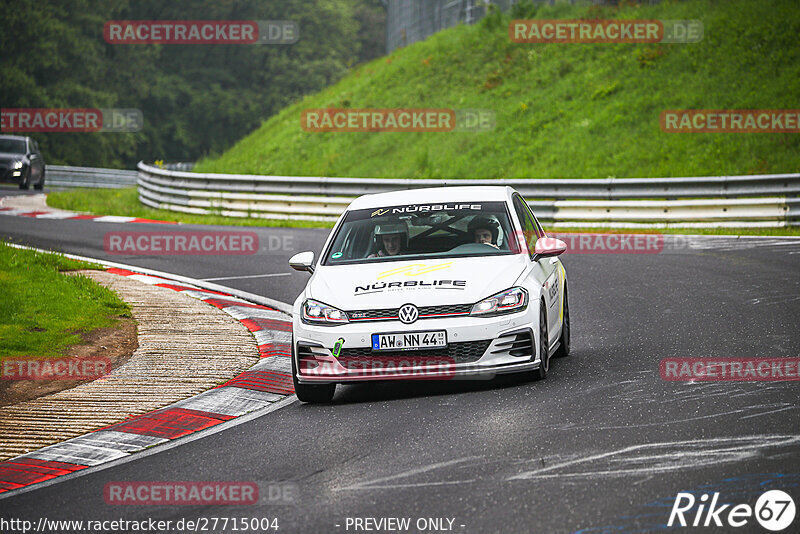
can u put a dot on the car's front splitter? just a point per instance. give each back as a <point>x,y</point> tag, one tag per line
<point>328,370</point>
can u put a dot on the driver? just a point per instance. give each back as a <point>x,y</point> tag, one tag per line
<point>484,230</point>
<point>390,240</point>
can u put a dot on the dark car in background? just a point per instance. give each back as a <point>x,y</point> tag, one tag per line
<point>21,162</point>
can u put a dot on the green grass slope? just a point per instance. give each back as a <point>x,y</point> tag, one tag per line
<point>563,110</point>
<point>43,312</point>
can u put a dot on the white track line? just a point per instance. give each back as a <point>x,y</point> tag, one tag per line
<point>248,276</point>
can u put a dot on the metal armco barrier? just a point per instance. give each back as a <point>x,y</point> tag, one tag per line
<point>57,176</point>
<point>605,188</point>
<point>749,200</point>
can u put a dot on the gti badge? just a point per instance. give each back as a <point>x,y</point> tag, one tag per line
<point>408,313</point>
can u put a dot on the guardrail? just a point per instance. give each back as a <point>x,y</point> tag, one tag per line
<point>60,176</point>
<point>606,188</point>
<point>759,200</point>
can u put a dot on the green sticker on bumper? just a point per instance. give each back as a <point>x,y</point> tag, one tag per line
<point>337,347</point>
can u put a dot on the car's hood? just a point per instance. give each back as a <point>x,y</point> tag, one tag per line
<point>11,155</point>
<point>419,282</point>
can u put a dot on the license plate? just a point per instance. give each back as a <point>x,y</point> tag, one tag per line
<point>409,341</point>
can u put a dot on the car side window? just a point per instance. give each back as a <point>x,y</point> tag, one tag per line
<point>539,231</point>
<point>529,228</point>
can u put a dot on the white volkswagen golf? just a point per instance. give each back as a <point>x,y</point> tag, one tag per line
<point>441,283</point>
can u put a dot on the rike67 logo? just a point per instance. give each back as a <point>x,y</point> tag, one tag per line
<point>774,510</point>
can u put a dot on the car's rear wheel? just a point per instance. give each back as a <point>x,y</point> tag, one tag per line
<point>544,346</point>
<point>564,340</point>
<point>26,180</point>
<point>311,393</point>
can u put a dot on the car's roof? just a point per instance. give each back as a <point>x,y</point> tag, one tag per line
<point>17,137</point>
<point>434,195</point>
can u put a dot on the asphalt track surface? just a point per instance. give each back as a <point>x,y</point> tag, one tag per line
<point>602,445</point>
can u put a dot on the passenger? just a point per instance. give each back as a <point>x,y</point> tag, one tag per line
<point>484,230</point>
<point>390,240</point>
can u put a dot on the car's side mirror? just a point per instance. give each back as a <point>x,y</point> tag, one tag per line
<point>302,261</point>
<point>548,247</point>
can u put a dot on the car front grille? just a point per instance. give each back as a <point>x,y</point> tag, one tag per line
<point>425,312</point>
<point>463,352</point>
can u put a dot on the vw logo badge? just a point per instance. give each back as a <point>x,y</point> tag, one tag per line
<point>408,314</point>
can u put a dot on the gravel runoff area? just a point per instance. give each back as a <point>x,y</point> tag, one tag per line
<point>185,347</point>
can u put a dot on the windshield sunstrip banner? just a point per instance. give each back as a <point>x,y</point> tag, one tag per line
<point>424,209</point>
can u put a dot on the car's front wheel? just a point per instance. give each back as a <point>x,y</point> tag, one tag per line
<point>39,186</point>
<point>311,393</point>
<point>564,340</point>
<point>544,346</point>
<point>26,180</point>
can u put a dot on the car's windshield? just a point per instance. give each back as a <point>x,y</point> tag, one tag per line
<point>12,146</point>
<point>419,231</point>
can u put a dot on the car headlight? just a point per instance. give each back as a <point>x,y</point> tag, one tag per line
<point>508,301</point>
<point>18,164</point>
<point>319,313</point>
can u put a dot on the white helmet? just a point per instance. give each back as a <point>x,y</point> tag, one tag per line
<point>391,229</point>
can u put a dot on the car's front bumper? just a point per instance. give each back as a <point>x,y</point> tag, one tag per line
<point>478,348</point>
<point>11,175</point>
